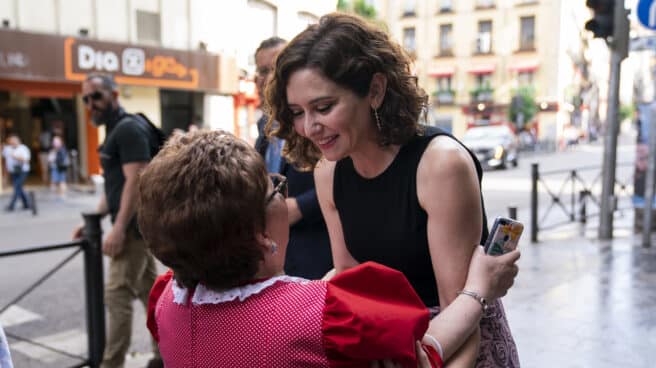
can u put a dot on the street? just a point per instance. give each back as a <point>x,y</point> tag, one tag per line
<point>54,313</point>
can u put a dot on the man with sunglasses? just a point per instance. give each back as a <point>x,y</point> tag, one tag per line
<point>308,253</point>
<point>129,145</point>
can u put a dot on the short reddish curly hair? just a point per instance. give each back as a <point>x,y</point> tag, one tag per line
<point>201,201</point>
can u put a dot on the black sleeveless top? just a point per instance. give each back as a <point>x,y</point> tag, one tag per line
<point>382,219</point>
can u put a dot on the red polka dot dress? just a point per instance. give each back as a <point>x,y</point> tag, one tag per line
<point>367,313</point>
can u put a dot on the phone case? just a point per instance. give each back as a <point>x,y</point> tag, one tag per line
<point>504,236</point>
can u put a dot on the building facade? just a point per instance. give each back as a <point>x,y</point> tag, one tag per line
<point>473,56</point>
<point>180,62</point>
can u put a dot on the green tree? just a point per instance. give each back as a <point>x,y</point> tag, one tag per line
<point>360,7</point>
<point>626,112</point>
<point>523,104</point>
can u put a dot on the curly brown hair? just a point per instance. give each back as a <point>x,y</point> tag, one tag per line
<point>347,50</point>
<point>201,201</point>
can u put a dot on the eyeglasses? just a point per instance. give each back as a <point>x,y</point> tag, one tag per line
<point>95,96</point>
<point>263,72</point>
<point>279,186</point>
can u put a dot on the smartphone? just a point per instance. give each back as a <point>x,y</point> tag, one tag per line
<point>504,236</point>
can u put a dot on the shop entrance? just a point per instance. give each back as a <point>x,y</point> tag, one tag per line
<point>180,109</point>
<point>36,119</point>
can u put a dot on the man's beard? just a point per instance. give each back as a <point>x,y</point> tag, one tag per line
<point>104,117</point>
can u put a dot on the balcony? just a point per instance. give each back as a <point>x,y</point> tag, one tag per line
<point>482,95</point>
<point>445,53</point>
<point>445,97</point>
<point>485,4</point>
<point>526,2</point>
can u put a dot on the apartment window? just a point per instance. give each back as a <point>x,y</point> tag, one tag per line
<point>484,4</point>
<point>446,6</point>
<point>444,84</point>
<point>148,27</point>
<point>525,78</point>
<point>409,8</point>
<point>446,40</point>
<point>409,39</point>
<point>483,81</point>
<point>484,38</point>
<point>527,33</point>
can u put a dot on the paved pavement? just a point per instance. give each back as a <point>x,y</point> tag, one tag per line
<point>577,302</point>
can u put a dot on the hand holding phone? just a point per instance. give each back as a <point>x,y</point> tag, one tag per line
<point>504,236</point>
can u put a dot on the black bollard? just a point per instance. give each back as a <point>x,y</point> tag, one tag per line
<point>535,176</point>
<point>94,287</point>
<point>33,203</point>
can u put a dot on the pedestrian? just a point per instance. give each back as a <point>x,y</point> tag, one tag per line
<point>17,161</point>
<point>58,161</point>
<point>129,145</point>
<point>227,301</point>
<point>45,145</point>
<point>390,191</point>
<point>308,254</point>
<point>5,355</point>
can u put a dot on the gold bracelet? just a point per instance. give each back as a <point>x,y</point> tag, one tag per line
<point>479,298</point>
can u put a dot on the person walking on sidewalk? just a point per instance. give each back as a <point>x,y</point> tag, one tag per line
<point>308,254</point>
<point>58,161</point>
<point>129,145</point>
<point>17,159</point>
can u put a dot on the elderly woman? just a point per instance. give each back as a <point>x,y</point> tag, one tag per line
<point>209,211</point>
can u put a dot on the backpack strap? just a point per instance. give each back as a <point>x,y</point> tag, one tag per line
<point>159,135</point>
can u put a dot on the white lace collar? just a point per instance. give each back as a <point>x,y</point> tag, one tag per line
<point>203,295</point>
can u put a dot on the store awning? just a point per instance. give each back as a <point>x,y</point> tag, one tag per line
<point>42,89</point>
<point>524,66</point>
<point>442,71</point>
<point>482,69</point>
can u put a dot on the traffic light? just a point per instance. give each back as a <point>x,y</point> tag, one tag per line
<point>601,24</point>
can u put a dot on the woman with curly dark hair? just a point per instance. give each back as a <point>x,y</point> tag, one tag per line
<point>346,101</point>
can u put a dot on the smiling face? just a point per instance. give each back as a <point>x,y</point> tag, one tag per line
<point>334,118</point>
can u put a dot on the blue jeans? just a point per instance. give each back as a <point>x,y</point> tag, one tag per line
<point>18,179</point>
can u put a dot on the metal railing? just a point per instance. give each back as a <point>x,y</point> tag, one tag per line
<point>573,198</point>
<point>90,247</point>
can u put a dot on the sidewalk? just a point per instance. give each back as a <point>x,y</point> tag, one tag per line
<point>580,302</point>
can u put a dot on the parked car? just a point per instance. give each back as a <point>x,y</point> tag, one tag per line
<point>495,146</point>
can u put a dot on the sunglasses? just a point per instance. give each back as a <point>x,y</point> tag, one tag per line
<point>279,186</point>
<point>95,96</point>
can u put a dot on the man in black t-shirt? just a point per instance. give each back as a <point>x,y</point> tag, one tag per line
<point>129,145</point>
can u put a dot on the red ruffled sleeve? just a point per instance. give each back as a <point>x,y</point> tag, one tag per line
<point>372,312</point>
<point>155,292</point>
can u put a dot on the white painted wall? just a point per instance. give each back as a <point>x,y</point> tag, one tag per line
<point>8,11</point>
<point>219,112</point>
<point>73,15</point>
<point>142,99</point>
<point>175,24</point>
<point>112,20</point>
<point>38,14</point>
